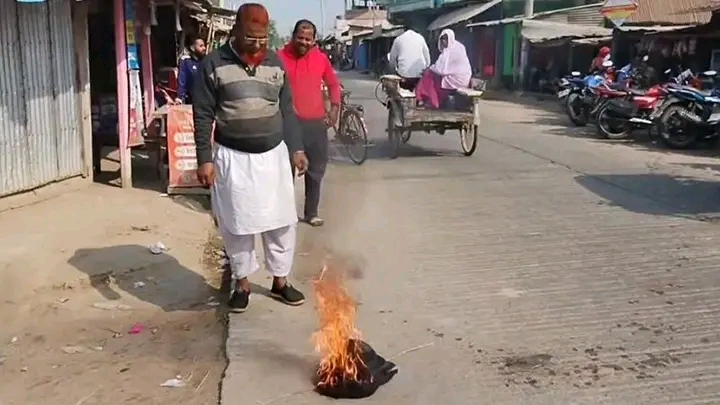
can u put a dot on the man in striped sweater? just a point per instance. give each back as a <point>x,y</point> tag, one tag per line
<point>241,88</point>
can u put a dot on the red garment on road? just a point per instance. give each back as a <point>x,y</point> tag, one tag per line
<point>306,74</point>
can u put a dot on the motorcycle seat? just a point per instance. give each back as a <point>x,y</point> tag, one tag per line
<point>636,92</point>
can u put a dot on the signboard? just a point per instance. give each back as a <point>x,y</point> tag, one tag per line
<point>182,160</point>
<point>130,30</point>
<point>618,11</point>
<point>136,113</point>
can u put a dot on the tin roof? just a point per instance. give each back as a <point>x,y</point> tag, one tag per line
<point>696,12</point>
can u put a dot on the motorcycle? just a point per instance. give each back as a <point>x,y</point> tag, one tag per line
<point>633,109</point>
<point>568,84</point>
<point>582,98</point>
<point>690,116</point>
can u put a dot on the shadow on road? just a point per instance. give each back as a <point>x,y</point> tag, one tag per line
<point>656,194</point>
<point>156,279</point>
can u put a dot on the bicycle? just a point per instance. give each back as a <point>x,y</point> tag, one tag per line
<point>351,129</point>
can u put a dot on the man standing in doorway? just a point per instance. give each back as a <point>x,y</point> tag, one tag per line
<point>308,68</point>
<point>409,57</point>
<point>243,89</point>
<point>187,70</point>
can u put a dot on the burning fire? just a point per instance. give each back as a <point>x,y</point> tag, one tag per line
<point>340,359</point>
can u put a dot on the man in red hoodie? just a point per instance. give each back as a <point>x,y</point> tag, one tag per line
<point>307,67</point>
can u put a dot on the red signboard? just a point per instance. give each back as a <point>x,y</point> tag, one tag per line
<point>181,148</point>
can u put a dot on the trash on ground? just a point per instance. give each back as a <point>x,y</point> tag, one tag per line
<point>111,306</point>
<point>212,302</point>
<point>63,300</point>
<point>2,360</point>
<point>173,383</point>
<point>137,328</point>
<point>24,369</point>
<point>73,349</point>
<point>139,284</point>
<point>14,340</point>
<point>158,248</point>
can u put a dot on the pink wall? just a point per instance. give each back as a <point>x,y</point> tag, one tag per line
<point>146,65</point>
<point>123,93</point>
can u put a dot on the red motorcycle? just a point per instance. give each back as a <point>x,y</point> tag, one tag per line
<point>627,110</point>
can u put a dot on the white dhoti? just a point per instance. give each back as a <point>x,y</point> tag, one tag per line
<point>254,194</point>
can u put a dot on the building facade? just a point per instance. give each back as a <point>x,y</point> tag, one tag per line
<point>41,125</point>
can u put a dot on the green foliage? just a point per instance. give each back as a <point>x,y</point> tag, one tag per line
<point>276,42</point>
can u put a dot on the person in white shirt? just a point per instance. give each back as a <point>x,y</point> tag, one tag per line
<point>409,57</point>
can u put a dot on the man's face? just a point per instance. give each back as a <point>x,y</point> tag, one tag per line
<point>199,47</point>
<point>253,41</point>
<point>303,40</point>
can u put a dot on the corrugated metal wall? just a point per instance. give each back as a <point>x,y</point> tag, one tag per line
<point>39,130</point>
<point>589,16</point>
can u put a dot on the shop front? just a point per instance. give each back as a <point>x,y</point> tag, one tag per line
<point>41,131</point>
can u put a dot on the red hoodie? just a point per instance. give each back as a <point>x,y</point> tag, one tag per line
<point>306,75</point>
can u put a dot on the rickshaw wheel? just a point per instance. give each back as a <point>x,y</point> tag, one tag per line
<point>394,135</point>
<point>468,139</point>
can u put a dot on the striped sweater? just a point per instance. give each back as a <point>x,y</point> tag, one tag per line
<point>252,109</point>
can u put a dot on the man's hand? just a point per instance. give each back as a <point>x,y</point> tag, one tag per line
<point>206,174</point>
<point>331,118</point>
<point>300,162</point>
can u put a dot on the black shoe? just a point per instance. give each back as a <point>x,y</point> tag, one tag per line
<point>288,294</point>
<point>239,301</point>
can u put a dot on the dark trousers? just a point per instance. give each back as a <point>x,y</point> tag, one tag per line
<point>315,143</point>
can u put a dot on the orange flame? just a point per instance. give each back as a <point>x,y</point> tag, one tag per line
<point>340,361</point>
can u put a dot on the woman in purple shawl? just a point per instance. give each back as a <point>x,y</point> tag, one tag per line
<point>450,72</point>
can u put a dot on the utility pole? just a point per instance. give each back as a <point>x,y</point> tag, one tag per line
<point>525,45</point>
<point>322,16</point>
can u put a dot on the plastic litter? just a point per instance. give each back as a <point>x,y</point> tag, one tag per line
<point>136,329</point>
<point>158,248</point>
<point>173,383</point>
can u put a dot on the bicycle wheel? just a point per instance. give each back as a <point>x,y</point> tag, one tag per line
<point>354,136</point>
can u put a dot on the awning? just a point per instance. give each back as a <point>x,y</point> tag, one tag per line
<point>592,41</point>
<point>540,31</point>
<point>370,34</point>
<point>461,15</point>
<point>654,28</point>
<point>504,21</point>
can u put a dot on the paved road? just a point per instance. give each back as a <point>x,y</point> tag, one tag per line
<point>549,268</point>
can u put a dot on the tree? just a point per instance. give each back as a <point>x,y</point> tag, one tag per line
<point>275,41</point>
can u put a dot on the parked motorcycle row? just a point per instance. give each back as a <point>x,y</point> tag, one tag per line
<point>677,113</point>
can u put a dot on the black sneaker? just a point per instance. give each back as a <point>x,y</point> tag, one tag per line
<point>288,294</point>
<point>239,301</point>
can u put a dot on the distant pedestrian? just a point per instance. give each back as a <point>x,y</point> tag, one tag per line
<point>187,70</point>
<point>597,63</point>
<point>308,68</point>
<point>242,88</point>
